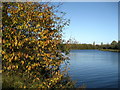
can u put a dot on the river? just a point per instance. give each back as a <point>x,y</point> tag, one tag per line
<point>94,68</point>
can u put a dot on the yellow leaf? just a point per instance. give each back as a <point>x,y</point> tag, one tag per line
<point>22,62</point>
<point>16,57</point>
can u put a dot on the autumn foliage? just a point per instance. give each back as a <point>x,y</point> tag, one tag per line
<point>30,45</point>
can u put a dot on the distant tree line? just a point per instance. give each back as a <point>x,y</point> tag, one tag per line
<point>82,46</point>
<point>113,45</point>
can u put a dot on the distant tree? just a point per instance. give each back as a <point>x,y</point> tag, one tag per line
<point>94,43</point>
<point>114,42</point>
<point>101,43</point>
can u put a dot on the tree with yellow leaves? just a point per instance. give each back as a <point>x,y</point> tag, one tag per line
<point>31,39</point>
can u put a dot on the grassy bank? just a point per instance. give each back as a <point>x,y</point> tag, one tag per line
<point>112,50</point>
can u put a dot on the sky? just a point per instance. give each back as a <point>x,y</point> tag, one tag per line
<point>91,21</point>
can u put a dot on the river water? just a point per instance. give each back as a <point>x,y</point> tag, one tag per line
<point>94,68</point>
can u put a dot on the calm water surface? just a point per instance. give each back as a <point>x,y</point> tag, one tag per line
<point>94,68</point>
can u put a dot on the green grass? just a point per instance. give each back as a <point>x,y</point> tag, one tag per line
<point>112,50</point>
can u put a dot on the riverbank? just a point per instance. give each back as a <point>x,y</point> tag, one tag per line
<point>112,50</point>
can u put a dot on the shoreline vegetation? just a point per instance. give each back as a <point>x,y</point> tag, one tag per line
<point>114,46</point>
<point>111,50</point>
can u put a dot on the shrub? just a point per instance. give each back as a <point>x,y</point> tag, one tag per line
<point>31,38</point>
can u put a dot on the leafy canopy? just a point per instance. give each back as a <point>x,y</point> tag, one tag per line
<point>31,39</point>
